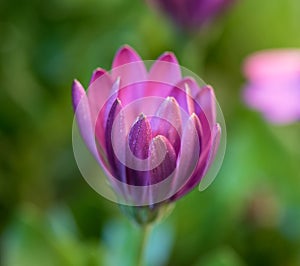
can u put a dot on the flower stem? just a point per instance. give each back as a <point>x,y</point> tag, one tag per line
<point>145,230</point>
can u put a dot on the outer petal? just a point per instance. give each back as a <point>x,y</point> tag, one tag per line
<point>192,84</point>
<point>83,116</point>
<point>98,72</point>
<point>128,66</point>
<point>189,154</point>
<point>202,167</point>
<point>99,91</point>
<point>165,70</point>
<point>214,148</point>
<point>207,102</point>
<point>115,109</point>
<point>125,55</point>
<point>183,94</point>
<point>77,93</point>
<point>101,108</point>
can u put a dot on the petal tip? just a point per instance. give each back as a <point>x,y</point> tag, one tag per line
<point>97,73</point>
<point>142,116</point>
<point>168,57</point>
<point>208,87</point>
<point>170,99</point>
<point>126,54</point>
<point>126,49</point>
<point>77,93</point>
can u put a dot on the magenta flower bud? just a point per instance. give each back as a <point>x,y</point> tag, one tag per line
<point>274,84</point>
<point>192,14</point>
<point>154,133</point>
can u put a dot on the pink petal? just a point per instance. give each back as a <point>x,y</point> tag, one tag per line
<point>165,69</point>
<point>101,106</point>
<point>99,91</point>
<point>83,117</point>
<point>140,137</point>
<point>167,122</point>
<point>207,102</point>
<point>116,167</point>
<point>98,72</point>
<point>192,84</point>
<point>160,145</point>
<point>208,179</point>
<point>203,165</point>
<point>214,147</point>
<point>182,93</point>
<point>128,66</point>
<point>189,156</point>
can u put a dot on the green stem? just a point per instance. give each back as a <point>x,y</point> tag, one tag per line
<point>145,230</point>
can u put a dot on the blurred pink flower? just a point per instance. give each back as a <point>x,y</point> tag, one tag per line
<point>156,132</point>
<point>274,84</point>
<point>192,14</point>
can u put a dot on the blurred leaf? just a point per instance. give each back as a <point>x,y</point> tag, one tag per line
<point>123,240</point>
<point>223,257</point>
<point>33,240</point>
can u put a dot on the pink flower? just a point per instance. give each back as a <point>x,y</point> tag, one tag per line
<point>274,84</point>
<point>153,132</point>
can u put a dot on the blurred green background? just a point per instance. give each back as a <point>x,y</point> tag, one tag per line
<point>49,215</point>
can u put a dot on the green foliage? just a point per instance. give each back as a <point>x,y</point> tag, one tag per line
<point>35,239</point>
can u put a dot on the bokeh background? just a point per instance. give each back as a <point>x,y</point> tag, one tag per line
<point>49,215</point>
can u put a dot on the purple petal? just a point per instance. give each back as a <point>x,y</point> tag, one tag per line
<point>203,165</point>
<point>115,109</point>
<point>77,93</point>
<point>81,104</point>
<point>129,67</point>
<point>115,146</point>
<point>207,102</point>
<point>158,147</point>
<point>189,155</point>
<point>125,55</point>
<point>140,137</point>
<point>214,147</point>
<point>117,169</point>
<point>192,84</point>
<point>167,122</point>
<point>97,74</point>
<point>83,117</point>
<point>99,90</point>
<point>205,108</point>
<point>182,93</point>
<point>101,106</point>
